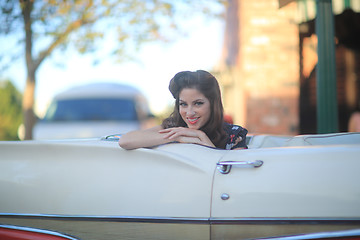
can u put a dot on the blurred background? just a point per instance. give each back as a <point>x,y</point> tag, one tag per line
<point>264,54</point>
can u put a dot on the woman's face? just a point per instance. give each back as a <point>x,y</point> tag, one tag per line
<point>194,108</point>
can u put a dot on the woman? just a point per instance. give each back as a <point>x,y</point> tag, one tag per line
<point>197,117</point>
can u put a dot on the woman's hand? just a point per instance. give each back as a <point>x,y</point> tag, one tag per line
<point>186,135</point>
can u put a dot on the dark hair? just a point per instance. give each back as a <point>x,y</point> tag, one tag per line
<point>207,84</point>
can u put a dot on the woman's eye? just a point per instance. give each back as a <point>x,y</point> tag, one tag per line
<point>199,103</point>
<point>182,104</point>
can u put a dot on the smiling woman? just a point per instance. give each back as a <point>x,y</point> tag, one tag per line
<point>197,117</point>
<point>194,108</point>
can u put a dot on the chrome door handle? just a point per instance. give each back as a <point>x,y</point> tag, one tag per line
<point>225,167</point>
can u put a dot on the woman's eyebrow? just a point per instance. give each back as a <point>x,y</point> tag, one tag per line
<point>196,100</point>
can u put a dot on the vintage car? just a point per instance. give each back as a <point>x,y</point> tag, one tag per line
<point>300,187</point>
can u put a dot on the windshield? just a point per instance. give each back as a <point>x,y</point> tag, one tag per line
<point>92,109</point>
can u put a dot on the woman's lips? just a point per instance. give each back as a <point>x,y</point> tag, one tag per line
<point>193,120</point>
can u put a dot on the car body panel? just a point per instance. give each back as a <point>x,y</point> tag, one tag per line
<point>93,189</point>
<point>111,180</point>
<point>294,182</point>
<point>113,230</point>
<point>10,232</point>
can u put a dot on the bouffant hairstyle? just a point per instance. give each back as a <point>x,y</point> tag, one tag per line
<point>207,84</point>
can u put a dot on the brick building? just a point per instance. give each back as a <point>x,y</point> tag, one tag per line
<point>259,70</point>
<point>267,71</point>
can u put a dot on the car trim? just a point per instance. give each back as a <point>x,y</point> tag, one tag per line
<point>279,220</point>
<point>320,235</point>
<point>262,221</point>
<point>36,230</point>
<point>107,218</point>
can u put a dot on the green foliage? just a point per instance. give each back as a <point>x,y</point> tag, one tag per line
<point>84,24</point>
<point>10,111</point>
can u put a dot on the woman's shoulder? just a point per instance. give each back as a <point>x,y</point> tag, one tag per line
<point>235,129</point>
<point>236,136</point>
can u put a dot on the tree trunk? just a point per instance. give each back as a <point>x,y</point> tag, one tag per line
<point>28,106</point>
<point>29,94</point>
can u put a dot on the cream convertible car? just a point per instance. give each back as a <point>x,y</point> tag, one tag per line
<point>305,186</point>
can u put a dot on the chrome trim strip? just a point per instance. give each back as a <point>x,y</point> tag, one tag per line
<point>107,218</point>
<point>225,167</point>
<point>37,230</point>
<point>330,221</point>
<point>280,220</point>
<point>319,235</point>
<point>111,138</point>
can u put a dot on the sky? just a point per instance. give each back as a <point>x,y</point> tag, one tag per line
<point>155,65</point>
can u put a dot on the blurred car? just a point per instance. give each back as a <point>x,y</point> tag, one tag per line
<point>93,110</point>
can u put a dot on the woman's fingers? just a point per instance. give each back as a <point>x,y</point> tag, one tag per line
<point>186,135</point>
<point>168,133</point>
<point>173,133</point>
<point>184,139</point>
<point>165,130</point>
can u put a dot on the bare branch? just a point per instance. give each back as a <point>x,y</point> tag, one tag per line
<point>60,39</point>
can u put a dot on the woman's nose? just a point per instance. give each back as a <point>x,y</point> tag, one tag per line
<point>190,111</point>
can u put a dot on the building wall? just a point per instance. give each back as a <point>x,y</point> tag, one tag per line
<point>259,70</point>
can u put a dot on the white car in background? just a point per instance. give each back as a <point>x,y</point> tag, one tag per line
<point>93,110</point>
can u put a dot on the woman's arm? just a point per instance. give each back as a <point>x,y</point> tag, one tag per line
<point>187,135</point>
<point>143,138</point>
<point>157,135</point>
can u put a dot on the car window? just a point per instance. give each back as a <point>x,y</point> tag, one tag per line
<point>92,109</point>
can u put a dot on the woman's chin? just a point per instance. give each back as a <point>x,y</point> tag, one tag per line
<point>193,126</point>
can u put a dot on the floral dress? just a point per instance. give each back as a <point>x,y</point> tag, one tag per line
<point>237,136</point>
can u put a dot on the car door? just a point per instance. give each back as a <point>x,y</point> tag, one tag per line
<point>281,191</point>
<point>92,189</point>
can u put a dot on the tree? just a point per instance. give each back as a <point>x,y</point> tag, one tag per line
<point>10,111</point>
<point>48,25</point>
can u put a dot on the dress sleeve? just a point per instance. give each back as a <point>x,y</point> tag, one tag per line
<point>237,137</point>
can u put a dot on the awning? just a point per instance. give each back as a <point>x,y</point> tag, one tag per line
<point>306,9</point>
